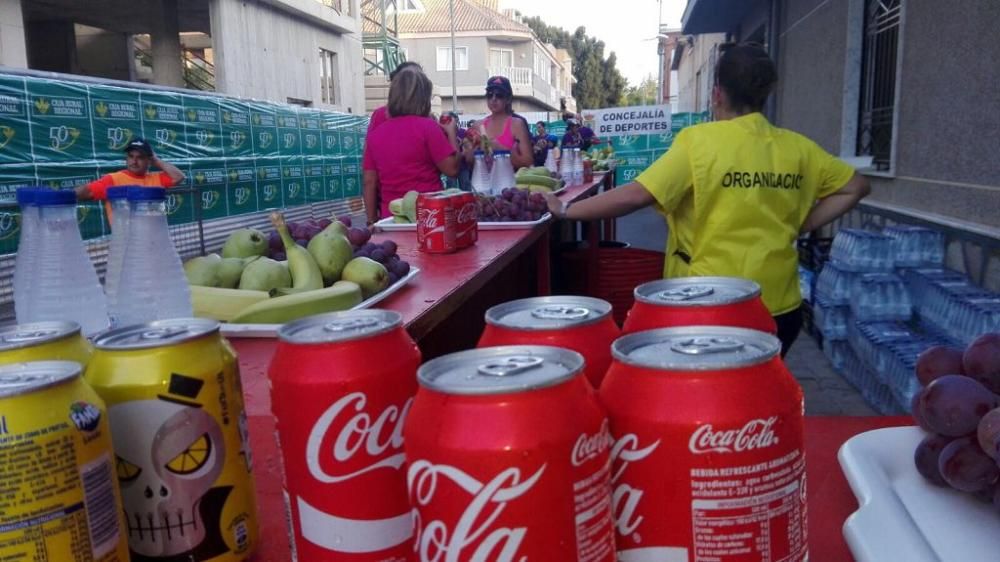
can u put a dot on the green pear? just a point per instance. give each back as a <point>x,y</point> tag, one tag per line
<point>244,243</point>
<point>369,274</point>
<point>331,251</point>
<point>264,274</point>
<point>410,205</point>
<point>203,270</point>
<point>336,227</point>
<point>231,269</point>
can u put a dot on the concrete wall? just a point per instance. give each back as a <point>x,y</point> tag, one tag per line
<point>424,51</point>
<point>695,73</point>
<point>103,53</point>
<point>265,53</point>
<point>13,51</point>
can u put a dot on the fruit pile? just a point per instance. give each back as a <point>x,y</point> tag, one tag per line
<point>960,407</point>
<point>302,268</point>
<point>537,179</point>
<point>512,205</point>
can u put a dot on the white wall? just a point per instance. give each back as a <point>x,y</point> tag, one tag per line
<point>265,53</point>
<point>695,73</point>
<point>13,50</point>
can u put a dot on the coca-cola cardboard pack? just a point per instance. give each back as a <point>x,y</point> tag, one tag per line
<point>436,223</point>
<point>466,219</point>
<point>508,450</point>
<point>341,387</point>
<point>708,460</point>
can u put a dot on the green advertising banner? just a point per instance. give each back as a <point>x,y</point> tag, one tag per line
<point>15,132</point>
<point>352,177</point>
<point>269,184</point>
<point>11,178</point>
<point>117,119</point>
<point>292,182</point>
<point>311,132</point>
<point>237,141</point>
<point>181,202</point>
<point>333,173</point>
<point>264,126</point>
<point>314,180</point>
<point>241,187</point>
<point>209,177</point>
<point>60,121</point>
<point>163,124</point>
<point>203,130</point>
<point>289,141</point>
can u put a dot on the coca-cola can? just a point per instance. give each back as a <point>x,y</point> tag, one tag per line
<point>436,227</point>
<point>708,457</point>
<point>583,324</point>
<point>341,387</point>
<point>699,301</point>
<point>508,460</point>
<point>466,220</point>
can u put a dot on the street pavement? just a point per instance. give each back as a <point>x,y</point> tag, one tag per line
<point>827,393</point>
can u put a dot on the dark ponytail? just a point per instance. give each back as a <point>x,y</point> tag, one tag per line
<point>746,74</point>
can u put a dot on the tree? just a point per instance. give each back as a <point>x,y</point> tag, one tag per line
<point>598,81</point>
<point>642,94</point>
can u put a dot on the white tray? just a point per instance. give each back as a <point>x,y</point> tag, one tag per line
<point>387,225</point>
<point>904,518</point>
<point>271,330</point>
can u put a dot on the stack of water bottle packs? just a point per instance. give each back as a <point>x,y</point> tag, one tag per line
<point>55,279</point>
<point>884,298</point>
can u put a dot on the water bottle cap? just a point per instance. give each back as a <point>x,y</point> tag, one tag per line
<point>117,192</point>
<point>26,195</point>
<point>45,197</point>
<point>147,194</point>
<point>501,153</point>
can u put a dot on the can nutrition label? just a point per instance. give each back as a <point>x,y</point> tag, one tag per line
<point>592,506</point>
<point>754,512</point>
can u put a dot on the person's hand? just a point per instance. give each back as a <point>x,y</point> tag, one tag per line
<point>555,205</point>
<point>450,127</point>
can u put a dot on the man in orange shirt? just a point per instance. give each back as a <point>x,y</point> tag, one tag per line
<point>138,157</point>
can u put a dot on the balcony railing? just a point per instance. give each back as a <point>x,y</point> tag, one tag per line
<point>518,75</point>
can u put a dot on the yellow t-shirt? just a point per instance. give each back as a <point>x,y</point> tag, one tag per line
<point>735,194</point>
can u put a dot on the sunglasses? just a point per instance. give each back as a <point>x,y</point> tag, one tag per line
<point>496,95</point>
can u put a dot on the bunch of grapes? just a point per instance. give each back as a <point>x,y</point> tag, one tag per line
<point>960,407</point>
<point>302,232</point>
<point>384,253</point>
<point>512,205</point>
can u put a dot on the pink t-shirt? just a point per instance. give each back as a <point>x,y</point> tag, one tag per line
<point>379,116</point>
<point>404,151</point>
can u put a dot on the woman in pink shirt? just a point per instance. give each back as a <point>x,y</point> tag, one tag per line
<point>505,130</point>
<point>409,151</point>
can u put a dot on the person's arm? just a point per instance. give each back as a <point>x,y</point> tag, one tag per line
<point>446,157</point>
<point>610,204</point>
<point>370,194</point>
<point>175,173</point>
<point>837,203</point>
<point>96,189</point>
<point>521,155</point>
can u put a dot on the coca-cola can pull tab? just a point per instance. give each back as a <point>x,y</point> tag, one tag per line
<point>23,336</point>
<point>705,345</point>
<point>686,293</point>
<point>351,324</point>
<point>164,333</point>
<point>560,312</point>
<point>510,366</point>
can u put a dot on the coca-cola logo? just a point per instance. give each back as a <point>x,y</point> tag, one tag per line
<point>474,536</point>
<point>357,432</point>
<point>755,434</point>
<point>590,446</point>
<point>467,213</point>
<point>625,498</point>
<point>429,218</point>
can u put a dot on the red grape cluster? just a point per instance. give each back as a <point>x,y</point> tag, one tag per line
<point>512,205</point>
<point>960,407</point>
<point>359,237</point>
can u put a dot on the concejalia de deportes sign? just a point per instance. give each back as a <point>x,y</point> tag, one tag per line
<point>637,120</point>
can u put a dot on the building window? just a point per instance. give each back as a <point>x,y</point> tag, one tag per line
<point>878,81</point>
<point>403,6</point>
<point>328,72</point>
<point>501,58</point>
<point>461,58</point>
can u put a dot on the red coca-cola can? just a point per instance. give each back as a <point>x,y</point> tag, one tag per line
<point>436,228</point>
<point>466,220</point>
<point>583,324</point>
<point>699,301</point>
<point>508,460</point>
<point>339,414</point>
<point>708,458</point>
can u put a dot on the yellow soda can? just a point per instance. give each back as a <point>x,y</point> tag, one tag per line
<point>180,437</point>
<point>59,500</point>
<point>43,341</point>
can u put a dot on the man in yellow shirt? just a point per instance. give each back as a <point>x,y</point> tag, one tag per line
<point>738,191</point>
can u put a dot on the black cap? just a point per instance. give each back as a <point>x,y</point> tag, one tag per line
<point>499,84</point>
<point>139,144</point>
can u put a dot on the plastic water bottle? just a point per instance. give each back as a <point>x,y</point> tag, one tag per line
<point>64,282</point>
<point>117,197</point>
<point>502,175</point>
<point>566,165</point>
<point>153,285</point>
<point>550,161</point>
<point>577,167</point>
<point>27,250</point>
<point>480,174</point>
